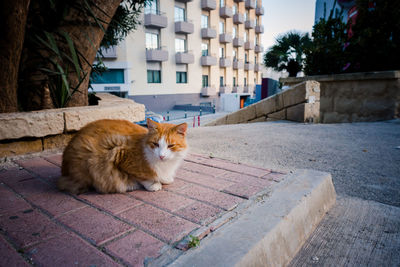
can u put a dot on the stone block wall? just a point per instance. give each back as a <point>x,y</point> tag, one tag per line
<point>299,103</point>
<point>27,132</point>
<point>356,96</point>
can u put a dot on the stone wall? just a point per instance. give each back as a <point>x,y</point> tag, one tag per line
<point>355,97</point>
<point>300,103</point>
<point>25,132</point>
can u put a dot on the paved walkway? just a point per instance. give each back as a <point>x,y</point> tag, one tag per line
<point>40,225</point>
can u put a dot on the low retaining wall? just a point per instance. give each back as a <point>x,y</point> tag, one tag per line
<point>300,103</point>
<point>25,132</point>
<point>370,96</point>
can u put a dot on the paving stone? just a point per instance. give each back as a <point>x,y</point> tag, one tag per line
<point>164,225</point>
<point>177,185</point>
<point>30,186</point>
<point>134,248</point>
<point>68,250</point>
<point>245,179</point>
<point>222,200</point>
<point>41,167</point>
<point>55,202</point>
<point>27,227</point>
<point>243,190</point>
<point>274,176</point>
<point>202,179</point>
<point>193,167</point>
<point>94,225</point>
<point>162,199</point>
<point>200,213</point>
<point>113,203</point>
<point>9,201</point>
<point>14,175</point>
<point>9,256</point>
<point>55,159</point>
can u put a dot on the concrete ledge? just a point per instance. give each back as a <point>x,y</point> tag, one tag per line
<point>271,232</point>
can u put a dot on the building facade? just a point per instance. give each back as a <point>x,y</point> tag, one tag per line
<point>188,52</point>
<point>324,7</point>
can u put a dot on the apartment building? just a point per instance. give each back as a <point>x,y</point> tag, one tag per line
<point>188,52</point>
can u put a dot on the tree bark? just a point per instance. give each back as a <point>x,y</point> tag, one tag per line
<point>87,38</point>
<point>13,15</point>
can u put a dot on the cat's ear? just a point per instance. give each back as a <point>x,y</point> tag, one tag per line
<point>151,125</point>
<point>181,128</point>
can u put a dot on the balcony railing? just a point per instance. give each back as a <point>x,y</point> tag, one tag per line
<point>208,60</point>
<point>248,45</point>
<point>248,66</point>
<point>208,4</point>
<point>259,29</point>
<point>258,49</point>
<point>185,27</point>
<point>259,11</point>
<point>238,42</point>
<point>238,18</point>
<point>225,12</point>
<point>158,20</point>
<point>110,52</point>
<point>225,89</point>
<point>225,62</point>
<point>186,57</point>
<point>158,55</point>
<point>225,38</point>
<point>237,89</point>
<point>237,64</point>
<point>249,24</point>
<point>250,4</point>
<point>208,91</point>
<point>208,33</point>
<point>257,67</point>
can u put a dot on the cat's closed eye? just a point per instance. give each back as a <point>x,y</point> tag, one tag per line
<point>171,146</point>
<point>155,144</point>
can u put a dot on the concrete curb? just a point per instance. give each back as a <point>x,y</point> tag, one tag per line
<point>271,232</point>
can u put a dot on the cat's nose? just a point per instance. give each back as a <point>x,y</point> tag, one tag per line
<point>162,157</point>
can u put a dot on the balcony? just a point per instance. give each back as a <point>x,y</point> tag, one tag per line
<point>208,91</point>
<point>238,42</point>
<point>225,62</point>
<point>157,55</point>
<point>155,20</point>
<point>248,66</point>
<point>257,67</point>
<point>249,24</point>
<point>237,89</point>
<point>259,29</point>
<point>248,45</point>
<point>224,89</point>
<point>248,89</point>
<point>225,38</point>
<point>238,18</point>
<point>208,60</point>
<point>237,64</point>
<point>184,57</point>
<point>259,11</point>
<point>110,52</point>
<point>250,4</point>
<point>208,4</point>
<point>225,12</point>
<point>185,27</point>
<point>208,33</point>
<point>258,49</point>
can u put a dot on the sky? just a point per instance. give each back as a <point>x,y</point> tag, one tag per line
<point>281,16</point>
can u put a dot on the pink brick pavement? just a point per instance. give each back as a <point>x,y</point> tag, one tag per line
<point>42,226</point>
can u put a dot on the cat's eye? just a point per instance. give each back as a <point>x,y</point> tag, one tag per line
<point>155,144</point>
<point>170,146</point>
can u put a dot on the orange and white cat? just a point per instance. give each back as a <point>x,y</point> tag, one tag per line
<point>116,156</point>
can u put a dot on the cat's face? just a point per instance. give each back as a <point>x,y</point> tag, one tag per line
<point>166,141</point>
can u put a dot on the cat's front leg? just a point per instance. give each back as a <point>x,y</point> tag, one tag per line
<point>167,180</point>
<point>151,185</point>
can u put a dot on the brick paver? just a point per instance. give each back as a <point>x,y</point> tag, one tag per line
<point>43,226</point>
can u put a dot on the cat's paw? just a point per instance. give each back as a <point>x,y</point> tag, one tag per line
<point>167,180</point>
<point>132,186</point>
<point>152,186</point>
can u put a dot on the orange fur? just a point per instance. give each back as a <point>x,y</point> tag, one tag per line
<point>116,156</point>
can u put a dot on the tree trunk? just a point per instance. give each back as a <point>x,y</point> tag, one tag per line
<point>87,39</point>
<point>13,15</point>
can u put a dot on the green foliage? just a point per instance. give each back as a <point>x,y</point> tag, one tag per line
<point>194,241</point>
<point>288,53</point>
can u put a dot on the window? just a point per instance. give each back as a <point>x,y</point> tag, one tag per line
<point>205,80</point>
<point>180,14</point>
<point>234,9</point>
<point>245,16</point>
<point>246,58</point>
<point>245,36</point>
<point>234,32</point>
<point>180,45</point>
<point>152,41</point>
<point>245,81</point>
<point>181,77</point>
<point>153,76</point>
<point>221,81</point>
<point>109,76</point>
<point>151,7</point>
<point>255,40</point>
<point>221,3</point>
<point>255,59</point>
<point>221,52</point>
<point>234,54</point>
<point>221,27</point>
<point>204,49</point>
<point>234,81</point>
<point>204,21</point>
